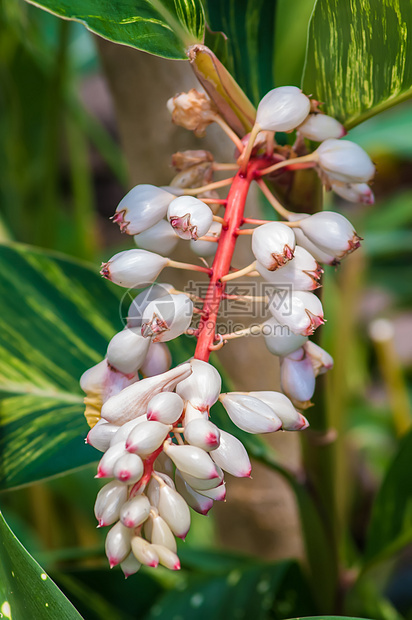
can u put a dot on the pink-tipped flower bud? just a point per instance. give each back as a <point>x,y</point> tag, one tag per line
<point>161,534</point>
<point>174,510</point>
<point>132,401</point>
<point>301,311</point>
<point>207,248</point>
<point>192,413</point>
<point>144,552</point>
<point>345,161</point>
<point>108,460</point>
<point>218,494</point>
<point>128,468</point>
<point>279,339</point>
<point>203,434</point>
<point>130,566</point>
<point>354,192</point>
<point>127,350</point>
<point>147,437</point>
<point>282,109</point>
<point>124,431</point>
<point>331,232</point>
<point>198,502</point>
<point>292,420</point>
<point>153,488</point>
<point>167,318</point>
<point>231,456</point>
<point>141,208</point>
<point>189,217</point>
<point>202,387</point>
<point>192,460</point>
<point>118,544</point>
<point>101,434</point>
<point>160,238</point>
<point>158,360</point>
<point>109,501</point>
<point>302,272</point>
<point>166,557</point>
<point>297,378</point>
<point>166,407</point>
<point>250,414</point>
<point>133,268</point>
<point>320,359</point>
<point>320,127</point>
<point>135,511</point>
<point>273,245</point>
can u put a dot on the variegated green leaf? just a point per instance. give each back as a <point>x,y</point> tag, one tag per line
<point>161,27</point>
<point>25,589</point>
<point>359,56</point>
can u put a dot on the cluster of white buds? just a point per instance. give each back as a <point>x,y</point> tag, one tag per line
<point>163,453</point>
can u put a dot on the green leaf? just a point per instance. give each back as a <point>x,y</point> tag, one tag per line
<point>390,527</point>
<point>359,57</point>
<point>161,27</point>
<point>25,589</point>
<point>56,318</point>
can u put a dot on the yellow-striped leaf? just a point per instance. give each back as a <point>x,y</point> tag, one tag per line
<point>359,56</point>
<point>162,27</point>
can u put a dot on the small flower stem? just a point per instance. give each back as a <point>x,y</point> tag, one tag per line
<point>306,161</point>
<point>239,273</point>
<point>246,231</point>
<point>207,188</point>
<point>190,266</point>
<point>221,220</point>
<point>244,158</point>
<point>251,220</point>
<point>214,201</point>
<point>254,330</point>
<point>273,201</point>
<point>206,238</point>
<point>217,167</point>
<point>229,132</point>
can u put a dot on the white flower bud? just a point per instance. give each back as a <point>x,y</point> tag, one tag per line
<point>218,494</point>
<point>166,557</point>
<point>128,468</point>
<point>109,501</point>
<point>203,434</point>
<point>292,420</point>
<point>354,192</point>
<point>302,240</point>
<point>143,299</point>
<point>174,510</point>
<point>163,465</point>
<point>133,268</point>
<point>192,460</point>
<point>331,232</point>
<point>127,350</point>
<point>189,217</point>
<point>320,359</point>
<point>135,511</point>
<point>153,488</point>
<point>118,544</point>
<point>207,248</point>
<point>167,318</point>
<point>161,534</point>
<point>141,208</point>
<point>198,502</point>
<point>93,378</point>
<point>301,311</point>
<point>166,407</point>
<point>101,434</point>
<point>344,161</point>
<point>302,272</point>
<point>250,414</point>
<point>231,456</point>
<point>202,388</point>
<point>192,413</point>
<point>132,401</point>
<point>297,379</point>
<point>130,566</point>
<point>320,127</point>
<point>124,431</point>
<point>160,238</point>
<point>273,245</point>
<point>279,339</point>
<point>108,460</point>
<point>158,360</point>
<point>199,484</point>
<point>282,109</point>
<point>144,552</point>
<point>147,437</point>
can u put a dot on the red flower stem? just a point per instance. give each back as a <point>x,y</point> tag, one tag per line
<point>147,472</point>
<point>235,207</point>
